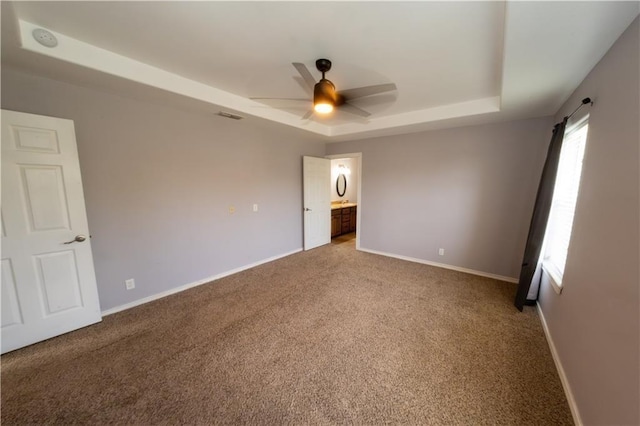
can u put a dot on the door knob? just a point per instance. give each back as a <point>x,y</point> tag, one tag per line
<point>77,239</point>
<point>307,210</point>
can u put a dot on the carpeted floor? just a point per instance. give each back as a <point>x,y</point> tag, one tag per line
<point>321,337</point>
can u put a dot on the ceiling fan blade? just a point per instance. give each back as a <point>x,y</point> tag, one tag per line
<point>306,75</point>
<point>281,99</point>
<point>347,107</point>
<point>307,115</point>
<point>360,92</point>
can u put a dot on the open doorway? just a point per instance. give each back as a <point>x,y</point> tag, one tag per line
<point>346,205</point>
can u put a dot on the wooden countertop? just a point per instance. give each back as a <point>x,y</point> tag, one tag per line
<point>335,206</point>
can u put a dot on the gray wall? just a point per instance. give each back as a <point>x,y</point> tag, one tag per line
<point>468,190</point>
<point>158,183</point>
<point>595,322</point>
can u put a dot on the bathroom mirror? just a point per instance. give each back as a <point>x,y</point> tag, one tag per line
<point>341,185</point>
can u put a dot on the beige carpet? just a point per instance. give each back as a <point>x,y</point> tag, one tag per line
<point>321,337</point>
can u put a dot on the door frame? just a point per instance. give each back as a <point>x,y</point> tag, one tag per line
<point>358,157</point>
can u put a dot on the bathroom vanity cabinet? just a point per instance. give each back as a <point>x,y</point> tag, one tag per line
<point>343,219</point>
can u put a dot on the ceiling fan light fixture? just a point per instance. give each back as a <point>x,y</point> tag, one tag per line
<point>324,96</point>
<point>323,108</point>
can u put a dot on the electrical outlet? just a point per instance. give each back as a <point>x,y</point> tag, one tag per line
<point>255,207</point>
<point>130,284</point>
<point>232,209</point>
<point>441,252</point>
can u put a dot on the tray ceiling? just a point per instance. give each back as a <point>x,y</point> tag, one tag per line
<point>454,63</point>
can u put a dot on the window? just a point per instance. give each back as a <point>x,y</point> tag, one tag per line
<point>565,195</point>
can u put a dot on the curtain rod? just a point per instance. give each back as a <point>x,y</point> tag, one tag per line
<point>584,102</point>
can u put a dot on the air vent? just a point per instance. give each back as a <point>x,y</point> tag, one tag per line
<point>229,115</point>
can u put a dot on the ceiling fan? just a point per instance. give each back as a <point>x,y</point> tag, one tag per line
<point>325,96</point>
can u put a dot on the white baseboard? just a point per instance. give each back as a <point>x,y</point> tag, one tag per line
<point>443,265</point>
<point>563,377</point>
<point>194,284</point>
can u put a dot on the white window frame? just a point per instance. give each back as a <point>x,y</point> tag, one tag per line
<point>550,267</point>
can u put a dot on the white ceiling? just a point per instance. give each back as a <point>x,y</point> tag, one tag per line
<point>454,63</point>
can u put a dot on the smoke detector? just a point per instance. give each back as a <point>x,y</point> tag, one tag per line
<point>44,37</point>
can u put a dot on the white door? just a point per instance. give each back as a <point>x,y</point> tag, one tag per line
<point>48,281</point>
<point>317,201</point>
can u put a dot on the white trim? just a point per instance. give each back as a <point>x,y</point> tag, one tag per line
<point>427,115</point>
<point>550,270</point>
<point>563,377</point>
<point>443,265</point>
<point>194,284</point>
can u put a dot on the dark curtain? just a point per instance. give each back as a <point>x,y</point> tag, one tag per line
<point>540,216</point>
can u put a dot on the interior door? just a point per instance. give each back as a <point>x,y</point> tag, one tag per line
<point>48,280</point>
<point>317,201</point>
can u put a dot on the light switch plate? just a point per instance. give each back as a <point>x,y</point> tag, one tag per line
<point>130,284</point>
